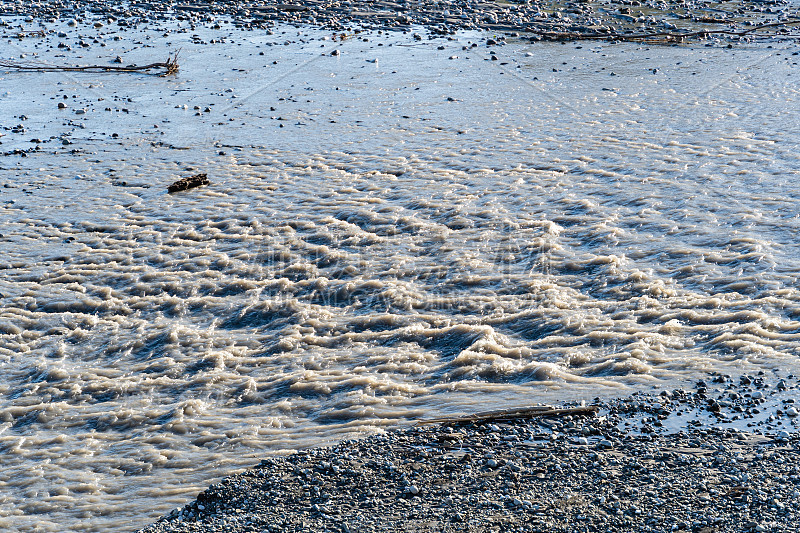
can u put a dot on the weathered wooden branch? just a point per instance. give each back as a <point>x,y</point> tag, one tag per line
<point>170,66</point>
<point>670,36</point>
<point>513,414</point>
<point>27,33</point>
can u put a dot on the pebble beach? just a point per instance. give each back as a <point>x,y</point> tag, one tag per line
<point>439,17</point>
<point>721,457</point>
<point>310,396</point>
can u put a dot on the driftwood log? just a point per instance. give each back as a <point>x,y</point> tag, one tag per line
<point>170,66</point>
<point>188,183</point>
<point>668,36</point>
<point>539,411</point>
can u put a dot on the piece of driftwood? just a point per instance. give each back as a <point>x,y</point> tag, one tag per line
<point>668,36</point>
<point>170,66</point>
<point>513,414</point>
<point>28,33</point>
<point>191,182</point>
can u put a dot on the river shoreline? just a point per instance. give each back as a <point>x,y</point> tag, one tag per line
<point>562,20</point>
<point>719,458</point>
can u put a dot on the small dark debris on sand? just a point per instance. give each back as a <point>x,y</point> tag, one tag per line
<point>188,183</point>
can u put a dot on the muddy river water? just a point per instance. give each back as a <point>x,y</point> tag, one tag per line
<point>407,229</point>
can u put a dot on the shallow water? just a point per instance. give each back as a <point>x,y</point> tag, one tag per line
<point>394,233</point>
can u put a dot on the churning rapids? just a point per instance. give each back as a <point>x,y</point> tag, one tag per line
<point>400,231</point>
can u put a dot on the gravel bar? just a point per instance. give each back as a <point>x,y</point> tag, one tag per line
<point>722,457</point>
<point>558,19</point>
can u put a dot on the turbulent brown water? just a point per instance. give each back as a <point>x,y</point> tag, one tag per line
<point>394,233</point>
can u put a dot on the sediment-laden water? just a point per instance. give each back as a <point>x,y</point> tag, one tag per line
<point>396,232</point>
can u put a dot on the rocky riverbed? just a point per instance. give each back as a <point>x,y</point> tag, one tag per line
<point>537,19</point>
<point>722,457</point>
